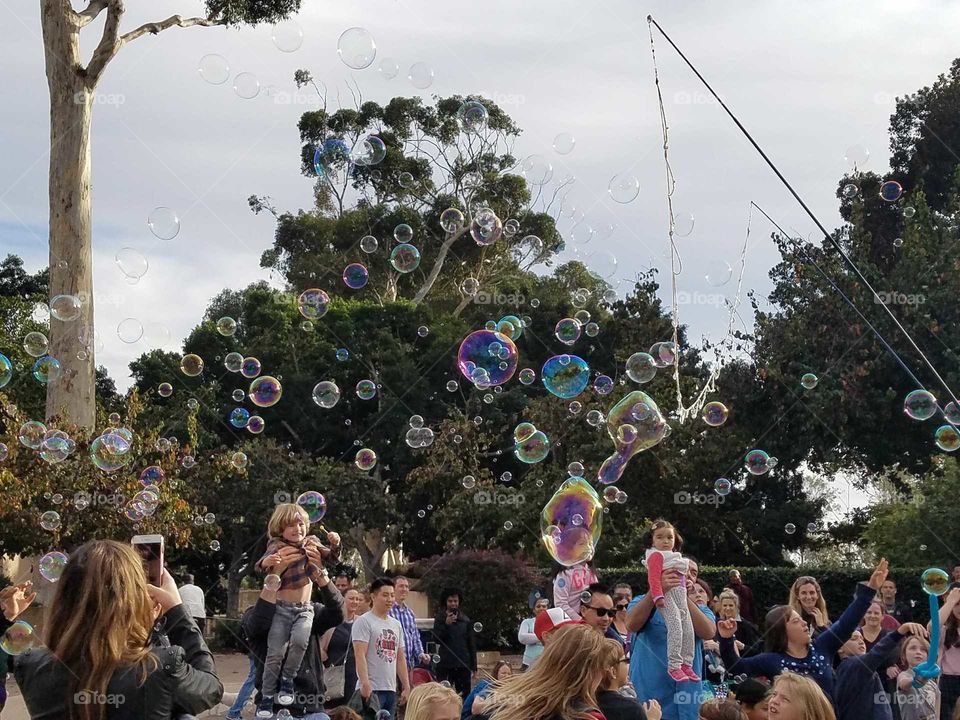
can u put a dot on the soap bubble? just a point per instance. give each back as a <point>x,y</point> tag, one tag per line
<point>420,75</point>
<point>947,438</point>
<point>314,503</point>
<point>226,326</point>
<point>366,389</point>
<point>246,86</point>
<point>452,386</point>
<point>31,434</point>
<point>164,223</point>
<point>233,361</point>
<point>165,389</point>
<point>563,143</point>
<point>789,528</point>
<point>6,370</point>
<point>757,462</point>
<point>641,367</point>
<point>51,566</point>
<point>405,258</point>
<point>567,331</point>
<point>65,308</point>
<point>722,486</point>
<point>451,220</point>
<point>46,369</point>
<point>191,365</point>
<point>403,233</point>
<point>537,170</point>
<point>470,286</point>
<point>371,150</point>
<point>214,69</point>
<point>265,391</point>
<point>331,159</point>
<point>487,358</point>
<point>891,191</point>
<point>935,581</point>
<point>357,48</point>
<point>486,229</point>
<point>565,376</point>
<point>287,36</point>
<point>369,244</point>
<point>857,156</point>
<point>250,367</point>
<point>272,582</point>
<point>389,68</point>
<point>152,475</point>
<point>571,522</point>
<point>50,520</point>
<point>326,394</point>
<point>920,405</point>
<point>255,425</point>
<point>472,116</point>
<point>850,191</point>
<point>533,448</point>
<point>129,330</point>
<point>365,459</point>
<point>951,412</point>
<point>110,452</point>
<point>624,188</point>
<point>809,381</point>
<point>35,344</point>
<point>634,424</point>
<point>603,385</point>
<point>715,414</point>
<point>18,638</point>
<point>527,376</point>
<point>239,417</point>
<point>238,460</point>
<point>342,355</point>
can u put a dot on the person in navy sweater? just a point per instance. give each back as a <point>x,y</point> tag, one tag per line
<point>788,639</point>
<point>859,693</point>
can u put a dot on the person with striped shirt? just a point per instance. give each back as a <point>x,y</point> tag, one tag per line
<point>412,645</point>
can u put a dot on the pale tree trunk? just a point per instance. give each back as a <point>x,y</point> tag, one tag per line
<point>370,546</point>
<point>71,398</point>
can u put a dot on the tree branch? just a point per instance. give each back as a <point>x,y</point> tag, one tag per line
<point>154,28</point>
<point>109,44</point>
<point>92,11</point>
<point>437,266</point>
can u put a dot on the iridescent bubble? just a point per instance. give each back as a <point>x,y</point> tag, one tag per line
<point>331,159</point>
<point>239,417</point>
<point>523,430</point>
<point>326,394</point>
<point>191,365</point>
<point>365,459</point>
<point>256,425</point>
<point>265,391</point>
<point>947,438</point>
<point>152,475</point>
<point>603,385</point>
<point>238,460</point>
<point>472,116</point>
<point>19,638</point>
<point>591,329</point>
<point>110,452</point>
<point>357,48</point>
<point>371,150</point>
<point>809,381</point>
<point>226,326</point>
<point>313,303</point>
<point>52,565</point>
<point>250,367</point>
<point>315,505</point>
<point>571,522</point>
<point>567,331</point>
<point>406,181</point>
<point>420,75</point>
<point>722,486</point>
<point>527,376</point>
<point>632,431</point>
<point>575,407</point>
<point>54,450</point>
<point>641,367</point>
<point>935,581</point>
<point>715,413</point>
<point>6,370</point>
<point>4,452</point>
<point>951,412</point>
<point>624,188</point>
<point>594,418</point>
<point>486,233</point>
<point>31,434</point>
<point>563,143</point>
<point>214,69</point>
<point>366,389</point>
<point>65,308</point>
<point>405,258</point>
<point>664,353</point>
<point>342,355</point>
<point>35,344</point>
<point>757,462</point>
<point>355,276</point>
<point>233,361</point>
<point>165,389</point>
<point>533,448</point>
<point>403,233</point>
<point>891,191</point>
<point>469,482</point>
<point>850,191</point>
<point>369,244</point>
<point>920,405</point>
<point>272,582</point>
<point>451,220</point>
<point>164,223</point>
<point>46,369</point>
<point>565,376</point>
<point>487,358</point>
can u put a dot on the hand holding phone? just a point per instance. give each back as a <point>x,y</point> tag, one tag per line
<point>165,593</point>
<point>150,548</point>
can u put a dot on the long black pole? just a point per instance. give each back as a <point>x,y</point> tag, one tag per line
<point>846,258</point>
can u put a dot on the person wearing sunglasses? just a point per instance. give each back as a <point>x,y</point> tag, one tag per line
<point>622,595</point>
<point>599,612</point>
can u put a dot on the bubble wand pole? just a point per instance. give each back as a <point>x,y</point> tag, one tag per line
<point>846,258</point>
<point>929,670</point>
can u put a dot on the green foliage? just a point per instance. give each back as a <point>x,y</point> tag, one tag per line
<point>494,586</point>
<point>251,12</point>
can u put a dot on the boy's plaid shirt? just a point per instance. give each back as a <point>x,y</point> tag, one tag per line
<point>300,572</point>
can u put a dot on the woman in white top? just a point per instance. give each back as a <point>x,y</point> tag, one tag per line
<point>532,647</point>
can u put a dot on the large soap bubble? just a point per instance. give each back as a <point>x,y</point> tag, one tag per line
<point>487,358</point>
<point>920,405</point>
<point>265,391</point>
<point>314,503</point>
<point>565,376</point>
<point>634,424</point>
<point>571,522</point>
<point>110,452</point>
<point>935,581</point>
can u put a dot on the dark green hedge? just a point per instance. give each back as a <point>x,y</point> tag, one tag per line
<point>771,586</point>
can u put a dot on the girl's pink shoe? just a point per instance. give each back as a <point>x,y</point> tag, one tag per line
<point>677,674</point>
<point>688,671</point>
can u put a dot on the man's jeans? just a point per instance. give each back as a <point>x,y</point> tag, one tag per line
<point>388,701</point>
<point>246,690</point>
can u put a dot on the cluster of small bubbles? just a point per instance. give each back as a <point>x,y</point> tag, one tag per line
<point>809,381</point>
<point>250,367</point>
<point>722,486</point>
<point>920,405</point>
<point>419,437</point>
<point>789,528</point>
<point>715,413</point>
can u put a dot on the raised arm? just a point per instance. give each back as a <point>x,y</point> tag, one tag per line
<point>640,613</point>
<point>830,641</point>
<point>953,597</point>
<point>703,626</point>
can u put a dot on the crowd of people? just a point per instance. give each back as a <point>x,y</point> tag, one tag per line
<point>115,646</point>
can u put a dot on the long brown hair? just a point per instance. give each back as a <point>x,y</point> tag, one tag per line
<point>951,631</point>
<point>611,652</point>
<point>563,682</point>
<point>794,601</point>
<point>775,628</point>
<point>807,696</point>
<point>716,709</point>
<point>100,620</point>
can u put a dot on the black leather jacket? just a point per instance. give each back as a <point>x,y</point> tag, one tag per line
<point>185,680</point>
<point>308,685</point>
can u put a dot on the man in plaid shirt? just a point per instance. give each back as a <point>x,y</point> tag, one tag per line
<point>412,646</point>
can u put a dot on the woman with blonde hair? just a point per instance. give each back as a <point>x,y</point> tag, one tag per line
<point>561,685</point>
<point>433,701</point>
<point>807,600</point>
<point>796,697</point>
<point>101,657</point>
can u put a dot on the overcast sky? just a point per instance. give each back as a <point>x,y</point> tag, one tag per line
<point>809,80</point>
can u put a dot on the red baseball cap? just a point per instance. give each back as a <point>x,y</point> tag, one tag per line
<point>551,619</point>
